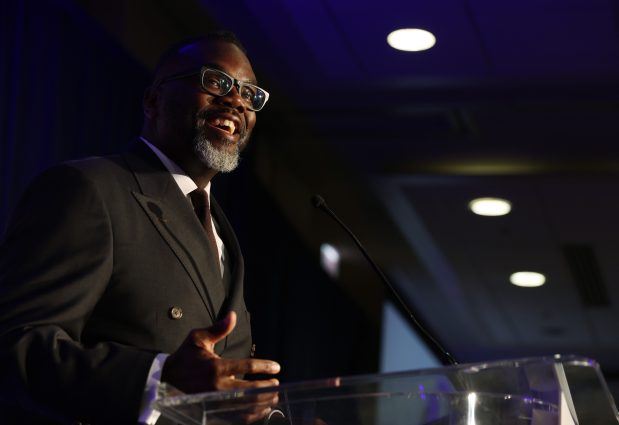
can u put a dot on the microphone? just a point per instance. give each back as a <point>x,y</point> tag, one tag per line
<point>319,202</point>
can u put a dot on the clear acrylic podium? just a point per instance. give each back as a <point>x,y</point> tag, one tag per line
<point>560,390</point>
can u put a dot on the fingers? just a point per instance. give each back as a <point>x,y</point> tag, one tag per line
<point>195,367</point>
<point>229,367</point>
<point>237,384</point>
<point>208,337</point>
<point>261,403</point>
<point>268,399</point>
<point>219,330</point>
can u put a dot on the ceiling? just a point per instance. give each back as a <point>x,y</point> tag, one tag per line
<point>518,99</point>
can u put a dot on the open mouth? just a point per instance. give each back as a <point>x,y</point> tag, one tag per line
<point>225,125</point>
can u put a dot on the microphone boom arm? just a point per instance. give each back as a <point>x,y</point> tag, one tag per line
<point>319,202</point>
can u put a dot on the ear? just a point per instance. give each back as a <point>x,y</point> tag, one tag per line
<point>150,102</point>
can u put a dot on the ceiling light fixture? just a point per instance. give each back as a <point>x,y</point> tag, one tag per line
<point>527,279</point>
<point>491,207</point>
<point>411,39</point>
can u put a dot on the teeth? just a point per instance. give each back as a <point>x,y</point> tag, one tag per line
<point>230,125</point>
<point>225,123</point>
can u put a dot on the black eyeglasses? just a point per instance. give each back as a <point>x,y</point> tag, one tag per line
<point>218,83</point>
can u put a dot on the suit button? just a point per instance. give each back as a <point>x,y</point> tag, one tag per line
<point>175,313</point>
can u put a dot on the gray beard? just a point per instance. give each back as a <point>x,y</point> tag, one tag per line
<point>219,160</point>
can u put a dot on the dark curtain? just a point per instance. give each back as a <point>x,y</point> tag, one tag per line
<point>67,91</point>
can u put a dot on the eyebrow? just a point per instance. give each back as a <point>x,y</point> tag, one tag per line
<point>217,67</point>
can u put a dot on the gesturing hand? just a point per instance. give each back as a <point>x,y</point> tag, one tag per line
<point>195,367</point>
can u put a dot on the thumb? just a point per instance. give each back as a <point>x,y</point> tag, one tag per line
<point>216,332</point>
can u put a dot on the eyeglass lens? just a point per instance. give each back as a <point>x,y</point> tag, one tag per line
<point>220,84</point>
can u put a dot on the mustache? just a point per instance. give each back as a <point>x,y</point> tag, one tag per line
<point>205,114</point>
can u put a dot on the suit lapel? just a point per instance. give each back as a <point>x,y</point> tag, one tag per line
<point>171,214</point>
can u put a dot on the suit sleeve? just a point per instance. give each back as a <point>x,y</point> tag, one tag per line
<point>55,263</point>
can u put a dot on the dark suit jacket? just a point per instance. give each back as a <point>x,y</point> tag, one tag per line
<point>98,253</point>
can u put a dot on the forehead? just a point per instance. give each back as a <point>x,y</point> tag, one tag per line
<point>219,54</point>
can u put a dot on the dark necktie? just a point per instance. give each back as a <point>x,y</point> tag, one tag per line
<point>201,206</point>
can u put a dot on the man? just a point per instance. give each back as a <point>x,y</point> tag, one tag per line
<point>107,267</point>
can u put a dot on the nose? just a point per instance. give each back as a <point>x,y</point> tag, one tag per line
<point>232,99</point>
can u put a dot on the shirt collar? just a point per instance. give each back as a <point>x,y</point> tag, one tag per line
<point>184,182</point>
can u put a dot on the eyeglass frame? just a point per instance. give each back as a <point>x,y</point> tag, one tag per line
<point>235,83</point>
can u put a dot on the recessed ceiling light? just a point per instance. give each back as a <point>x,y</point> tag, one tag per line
<point>527,279</point>
<point>411,39</point>
<point>491,207</point>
